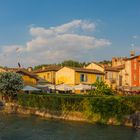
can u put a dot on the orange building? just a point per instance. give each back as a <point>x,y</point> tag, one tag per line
<point>135,70</point>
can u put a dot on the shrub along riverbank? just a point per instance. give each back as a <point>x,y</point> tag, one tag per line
<point>93,108</point>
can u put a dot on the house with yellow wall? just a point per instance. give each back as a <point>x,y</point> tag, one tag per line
<point>48,73</point>
<point>111,73</point>
<point>2,69</point>
<point>96,66</point>
<point>74,76</point>
<point>29,78</point>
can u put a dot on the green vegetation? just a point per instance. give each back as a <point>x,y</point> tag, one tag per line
<point>98,108</point>
<point>40,66</point>
<point>101,89</point>
<point>70,63</point>
<point>105,62</point>
<point>10,83</point>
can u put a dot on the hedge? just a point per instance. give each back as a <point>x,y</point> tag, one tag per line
<point>104,106</point>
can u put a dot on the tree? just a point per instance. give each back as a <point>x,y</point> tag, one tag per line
<point>72,63</point>
<point>101,89</point>
<point>40,66</point>
<point>68,63</point>
<point>105,62</point>
<point>10,83</point>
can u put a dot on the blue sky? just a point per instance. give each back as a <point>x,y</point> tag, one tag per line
<point>112,29</point>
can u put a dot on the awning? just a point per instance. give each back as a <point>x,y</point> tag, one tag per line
<point>30,88</point>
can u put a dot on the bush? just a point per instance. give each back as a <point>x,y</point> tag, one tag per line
<point>10,83</point>
<point>51,101</point>
<point>102,107</point>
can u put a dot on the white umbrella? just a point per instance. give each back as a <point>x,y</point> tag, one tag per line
<point>50,86</point>
<point>30,88</point>
<point>83,87</point>
<point>64,87</point>
<point>41,86</point>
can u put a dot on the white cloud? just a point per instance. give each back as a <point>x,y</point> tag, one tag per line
<point>135,37</point>
<point>67,41</point>
<point>71,27</point>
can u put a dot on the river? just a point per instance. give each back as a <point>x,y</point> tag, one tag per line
<point>19,127</point>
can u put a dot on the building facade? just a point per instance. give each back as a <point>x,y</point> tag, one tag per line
<point>134,70</point>
<point>47,73</point>
<point>74,76</point>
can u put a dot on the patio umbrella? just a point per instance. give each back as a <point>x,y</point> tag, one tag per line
<point>64,87</point>
<point>30,88</point>
<point>41,86</point>
<point>50,86</point>
<point>135,88</point>
<point>83,87</point>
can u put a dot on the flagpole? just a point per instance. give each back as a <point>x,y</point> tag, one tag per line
<point>18,57</point>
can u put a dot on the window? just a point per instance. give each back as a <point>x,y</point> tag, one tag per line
<point>98,77</point>
<point>83,78</point>
<point>105,75</point>
<point>48,75</point>
<point>109,75</point>
<point>44,77</point>
<point>135,78</point>
<point>135,66</point>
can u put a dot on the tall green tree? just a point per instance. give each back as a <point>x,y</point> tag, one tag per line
<point>10,83</point>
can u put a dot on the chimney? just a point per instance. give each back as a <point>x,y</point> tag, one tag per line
<point>132,53</point>
<point>43,67</point>
<point>30,69</point>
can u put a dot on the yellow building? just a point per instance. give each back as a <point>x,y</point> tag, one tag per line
<point>74,76</point>
<point>2,69</point>
<point>29,78</point>
<point>96,66</point>
<point>48,73</point>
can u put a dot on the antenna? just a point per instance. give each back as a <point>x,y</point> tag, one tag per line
<point>18,57</point>
<point>132,51</point>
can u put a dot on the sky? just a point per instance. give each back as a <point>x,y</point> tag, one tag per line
<point>35,32</point>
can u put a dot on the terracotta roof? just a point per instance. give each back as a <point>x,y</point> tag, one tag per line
<point>30,74</point>
<point>115,69</point>
<point>11,69</point>
<point>86,70</point>
<point>133,57</point>
<point>48,68</point>
<point>111,69</point>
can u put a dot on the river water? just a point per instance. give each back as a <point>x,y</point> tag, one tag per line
<point>17,127</point>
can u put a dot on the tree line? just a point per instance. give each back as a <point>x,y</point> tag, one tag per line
<point>70,63</point>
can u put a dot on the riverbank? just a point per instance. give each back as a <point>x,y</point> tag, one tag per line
<point>112,110</point>
<point>18,109</point>
<point>13,108</point>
